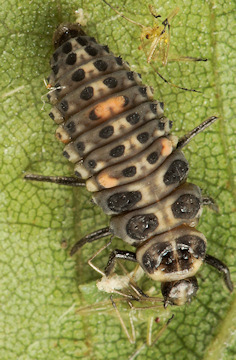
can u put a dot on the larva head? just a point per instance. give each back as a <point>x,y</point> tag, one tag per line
<point>173,258</point>
<point>179,292</point>
<point>65,32</point>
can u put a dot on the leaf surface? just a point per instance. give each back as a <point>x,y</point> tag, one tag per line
<point>51,307</point>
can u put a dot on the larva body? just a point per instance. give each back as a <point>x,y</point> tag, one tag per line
<point>120,142</point>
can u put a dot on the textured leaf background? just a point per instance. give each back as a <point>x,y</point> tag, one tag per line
<point>42,288</point>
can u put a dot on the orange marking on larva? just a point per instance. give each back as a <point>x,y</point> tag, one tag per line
<point>62,136</point>
<point>166,147</point>
<point>106,181</point>
<point>111,107</point>
<point>49,86</point>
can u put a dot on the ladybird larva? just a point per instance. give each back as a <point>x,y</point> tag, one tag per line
<point>120,142</point>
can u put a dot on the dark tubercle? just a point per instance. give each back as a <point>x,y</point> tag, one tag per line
<point>176,172</point>
<point>117,151</point>
<point>159,254</point>
<point>123,201</point>
<point>139,226</point>
<point>186,207</point>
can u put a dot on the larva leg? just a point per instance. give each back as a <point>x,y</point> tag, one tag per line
<point>220,266</point>
<point>119,254</point>
<point>117,282</point>
<point>61,180</point>
<point>184,140</point>
<point>98,234</point>
<point>208,201</point>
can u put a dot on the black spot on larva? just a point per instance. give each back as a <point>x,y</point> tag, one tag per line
<point>110,82</point>
<point>139,226</point>
<point>156,252</point>
<point>71,127</point>
<point>133,118</point>
<point>123,201</point>
<point>55,69</point>
<point>51,115</point>
<point>143,137</point>
<point>119,60</point>
<point>87,93</point>
<point>161,125</point>
<point>149,263</point>
<point>64,105</point>
<point>117,151</point>
<point>74,32</point>
<point>67,35</point>
<point>140,75</point>
<point>126,101</point>
<point>186,207</point>
<point>82,41</point>
<point>143,91</point>
<point>80,146</point>
<point>130,75</point>
<point>185,259</point>
<point>106,132</point>
<point>161,105</point>
<point>93,116</point>
<point>65,153</point>
<point>129,171</point>
<point>91,50</point>
<point>55,56</point>
<point>195,243</point>
<point>49,96</point>
<point>59,136</point>
<point>153,108</point>
<point>71,59</point>
<point>93,39</point>
<point>67,47</point>
<point>58,87</point>
<point>78,75</point>
<point>78,174</point>
<point>169,263</point>
<point>199,246</point>
<point>176,172</point>
<point>153,157</point>
<point>106,48</point>
<point>92,164</point>
<point>100,65</point>
<point>170,124</point>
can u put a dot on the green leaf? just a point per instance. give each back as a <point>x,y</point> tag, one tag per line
<point>44,292</point>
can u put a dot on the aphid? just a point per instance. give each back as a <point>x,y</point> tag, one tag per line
<point>157,36</point>
<point>156,39</point>
<point>126,286</point>
<point>133,313</point>
<point>120,142</point>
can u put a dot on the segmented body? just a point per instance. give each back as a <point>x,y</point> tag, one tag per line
<point>119,140</point>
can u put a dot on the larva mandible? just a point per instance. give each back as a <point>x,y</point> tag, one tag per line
<point>120,142</point>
